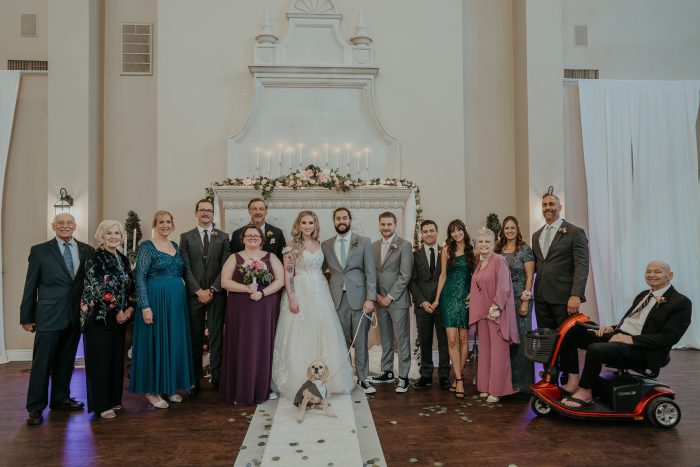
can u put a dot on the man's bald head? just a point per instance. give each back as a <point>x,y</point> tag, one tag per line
<point>64,226</point>
<point>658,274</point>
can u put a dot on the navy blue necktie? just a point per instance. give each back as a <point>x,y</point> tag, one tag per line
<point>68,259</point>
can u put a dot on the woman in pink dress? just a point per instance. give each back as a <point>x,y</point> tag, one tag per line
<point>492,310</point>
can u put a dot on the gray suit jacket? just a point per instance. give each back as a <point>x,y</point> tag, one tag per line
<point>423,285</point>
<point>565,270</point>
<point>201,273</point>
<point>358,276</point>
<point>394,274</point>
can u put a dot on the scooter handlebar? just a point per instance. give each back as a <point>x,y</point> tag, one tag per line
<point>592,327</point>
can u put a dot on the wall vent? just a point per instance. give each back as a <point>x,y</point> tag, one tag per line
<point>27,25</point>
<point>137,49</point>
<point>571,73</point>
<point>28,65</point>
<point>581,36</point>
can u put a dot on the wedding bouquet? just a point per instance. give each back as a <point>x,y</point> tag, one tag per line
<point>255,272</point>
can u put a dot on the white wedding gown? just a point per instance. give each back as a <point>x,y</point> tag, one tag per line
<point>313,333</point>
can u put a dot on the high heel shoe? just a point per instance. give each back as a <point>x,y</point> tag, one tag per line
<point>459,394</point>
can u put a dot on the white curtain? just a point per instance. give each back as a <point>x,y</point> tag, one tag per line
<point>641,159</point>
<point>9,86</point>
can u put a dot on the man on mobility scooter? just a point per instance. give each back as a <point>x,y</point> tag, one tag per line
<point>642,340</point>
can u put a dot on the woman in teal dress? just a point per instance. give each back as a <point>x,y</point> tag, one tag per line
<point>452,293</point>
<point>161,355</point>
<point>521,261</point>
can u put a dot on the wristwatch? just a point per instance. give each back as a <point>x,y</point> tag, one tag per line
<point>213,290</point>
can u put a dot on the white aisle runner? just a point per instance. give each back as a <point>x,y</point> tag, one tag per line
<point>276,439</point>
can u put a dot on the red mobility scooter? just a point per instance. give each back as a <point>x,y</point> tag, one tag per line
<point>618,394</point>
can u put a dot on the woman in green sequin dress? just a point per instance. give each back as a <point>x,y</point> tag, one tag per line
<point>452,292</point>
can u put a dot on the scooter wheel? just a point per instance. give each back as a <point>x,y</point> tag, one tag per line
<point>663,412</point>
<point>540,407</point>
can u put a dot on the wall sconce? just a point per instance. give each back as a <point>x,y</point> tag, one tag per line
<point>65,204</point>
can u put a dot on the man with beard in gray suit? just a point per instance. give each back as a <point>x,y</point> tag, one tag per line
<point>353,284</point>
<point>394,260</point>
<point>205,249</point>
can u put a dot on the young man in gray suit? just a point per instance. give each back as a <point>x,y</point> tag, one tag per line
<point>50,308</point>
<point>205,249</point>
<point>394,260</point>
<point>353,283</point>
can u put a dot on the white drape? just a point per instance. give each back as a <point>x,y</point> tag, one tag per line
<point>9,86</point>
<point>641,158</point>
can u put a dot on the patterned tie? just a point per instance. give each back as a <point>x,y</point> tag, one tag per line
<point>547,240</point>
<point>385,249</point>
<point>432,260</point>
<point>343,252</point>
<point>205,249</point>
<point>68,259</point>
<point>642,305</point>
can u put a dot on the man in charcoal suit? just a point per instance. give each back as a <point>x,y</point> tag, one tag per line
<point>353,283</point>
<point>273,242</point>
<point>205,249</point>
<point>50,308</point>
<point>656,321</point>
<point>394,260</point>
<point>423,287</point>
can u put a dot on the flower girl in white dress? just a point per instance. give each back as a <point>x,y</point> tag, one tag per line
<point>308,327</point>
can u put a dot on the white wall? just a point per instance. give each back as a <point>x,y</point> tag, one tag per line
<point>634,39</point>
<point>12,45</point>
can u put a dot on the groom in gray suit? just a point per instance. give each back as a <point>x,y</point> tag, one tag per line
<point>353,283</point>
<point>394,260</point>
<point>205,249</point>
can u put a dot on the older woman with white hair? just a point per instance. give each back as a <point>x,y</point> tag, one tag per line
<point>107,305</point>
<point>492,310</point>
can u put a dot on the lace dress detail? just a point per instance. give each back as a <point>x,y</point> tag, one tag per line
<point>313,333</point>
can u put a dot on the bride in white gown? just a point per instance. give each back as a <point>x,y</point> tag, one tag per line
<point>308,326</point>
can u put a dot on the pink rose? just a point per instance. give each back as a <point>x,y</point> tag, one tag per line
<point>309,173</point>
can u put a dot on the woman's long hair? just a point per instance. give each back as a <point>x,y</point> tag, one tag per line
<point>502,240</point>
<point>452,244</point>
<point>297,240</point>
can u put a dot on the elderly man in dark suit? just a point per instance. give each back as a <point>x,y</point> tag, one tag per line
<point>561,253</point>
<point>273,242</point>
<point>50,308</point>
<point>205,249</point>
<point>423,287</point>
<point>655,322</point>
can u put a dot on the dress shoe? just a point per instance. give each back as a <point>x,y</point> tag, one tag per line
<point>445,384</point>
<point>68,404</point>
<point>402,385</point>
<point>35,418</point>
<point>423,382</point>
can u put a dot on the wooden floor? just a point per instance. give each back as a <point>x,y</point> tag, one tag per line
<point>205,431</point>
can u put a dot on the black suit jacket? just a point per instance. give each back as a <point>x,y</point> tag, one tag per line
<point>565,270</point>
<point>51,297</point>
<point>423,285</point>
<point>200,273</point>
<point>665,325</point>
<point>274,240</point>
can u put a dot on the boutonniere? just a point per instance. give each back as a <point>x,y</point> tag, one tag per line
<point>394,246</point>
<point>562,230</point>
<point>660,300</point>
<point>269,234</point>
<point>354,242</point>
<point>214,233</point>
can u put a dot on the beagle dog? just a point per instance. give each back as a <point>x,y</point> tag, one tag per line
<point>314,390</point>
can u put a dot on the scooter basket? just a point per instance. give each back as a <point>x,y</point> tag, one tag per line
<point>540,343</point>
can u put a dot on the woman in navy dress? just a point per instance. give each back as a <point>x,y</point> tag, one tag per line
<point>161,355</point>
<point>251,321</point>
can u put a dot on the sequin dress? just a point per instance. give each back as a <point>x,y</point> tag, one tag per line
<point>161,352</point>
<point>454,294</point>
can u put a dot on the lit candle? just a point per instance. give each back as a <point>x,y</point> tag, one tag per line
<point>347,153</point>
<point>279,154</point>
<point>269,161</point>
<point>325,152</point>
<point>301,155</point>
<point>337,158</point>
<point>124,246</point>
<point>367,159</point>
<point>358,163</point>
<point>134,241</point>
<point>289,157</point>
<point>257,159</point>
<point>314,154</point>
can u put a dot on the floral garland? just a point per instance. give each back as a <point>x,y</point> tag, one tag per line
<point>315,177</point>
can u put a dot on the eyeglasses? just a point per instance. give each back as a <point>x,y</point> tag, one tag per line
<point>252,237</point>
<point>209,211</point>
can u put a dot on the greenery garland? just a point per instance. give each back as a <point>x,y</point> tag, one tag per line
<point>315,177</point>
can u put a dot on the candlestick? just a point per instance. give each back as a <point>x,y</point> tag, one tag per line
<point>325,153</point>
<point>124,246</point>
<point>367,158</point>
<point>269,162</point>
<point>347,154</point>
<point>301,155</point>
<point>358,164</point>
<point>257,159</point>
<point>279,154</point>
<point>134,241</point>
<point>337,158</point>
